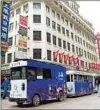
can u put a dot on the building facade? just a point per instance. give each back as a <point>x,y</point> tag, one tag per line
<point>56,33</point>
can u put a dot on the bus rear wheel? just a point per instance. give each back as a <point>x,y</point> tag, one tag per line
<point>61,96</point>
<point>36,100</point>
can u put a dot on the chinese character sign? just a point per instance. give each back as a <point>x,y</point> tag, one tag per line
<point>4,25</point>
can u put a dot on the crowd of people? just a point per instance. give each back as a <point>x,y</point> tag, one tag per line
<point>4,87</point>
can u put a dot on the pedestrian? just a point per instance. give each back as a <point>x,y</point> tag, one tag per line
<point>99,86</point>
<point>5,87</point>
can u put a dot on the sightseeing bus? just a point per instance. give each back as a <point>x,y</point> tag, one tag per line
<point>34,81</point>
<point>79,83</point>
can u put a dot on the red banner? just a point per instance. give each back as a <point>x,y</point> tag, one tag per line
<point>76,60</point>
<point>98,43</point>
<point>71,59</point>
<point>82,63</point>
<point>55,55</point>
<point>61,57</point>
<point>66,58</point>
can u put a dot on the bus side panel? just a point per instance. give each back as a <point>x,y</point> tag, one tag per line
<point>78,88</point>
<point>70,88</point>
<point>90,86</point>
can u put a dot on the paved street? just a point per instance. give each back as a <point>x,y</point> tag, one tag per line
<point>85,102</point>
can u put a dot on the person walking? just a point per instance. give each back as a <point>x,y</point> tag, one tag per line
<point>99,86</point>
<point>5,87</point>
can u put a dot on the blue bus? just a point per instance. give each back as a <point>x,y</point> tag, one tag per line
<point>34,81</point>
<point>79,83</point>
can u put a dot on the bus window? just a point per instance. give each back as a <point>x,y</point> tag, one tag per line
<point>79,77</point>
<point>39,73</point>
<point>46,74</point>
<point>71,78</point>
<point>16,73</point>
<point>31,74</point>
<point>68,78</point>
<point>75,77</point>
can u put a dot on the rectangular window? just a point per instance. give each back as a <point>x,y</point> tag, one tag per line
<point>72,35</point>
<point>9,59</point>
<point>18,11</point>
<point>37,35</point>
<point>71,25</point>
<point>53,13</point>
<point>77,50</point>
<point>12,14</point>
<point>47,74</point>
<point>75,38</point>
<point>73,49</point>
<point>63,30</point>
<point>37,5</point>
<point>37,54</point>
<point>48,21</point>
<point>54,40</point>
<point>48,37</point>
<point>3,59</point>
<point>59,42</point>
<point>11,26</point>
<point>36,18</point>
<point>53,25</point>
<point>47,9</point>
<point>68,45</point>
<point>10,41</point>
<point>58,28</point>
<point>67,32</point>
<point>66,22</point>
<point>58,16</point>
<point>25,8</point>
<point>48,55</point>
<point>64,44</point>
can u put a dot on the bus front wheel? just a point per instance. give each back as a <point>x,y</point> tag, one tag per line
<point>36,100</point>
<point>19,104</point>
<point>61,96</point>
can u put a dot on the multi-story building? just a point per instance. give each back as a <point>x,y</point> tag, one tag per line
<point>52,26</point>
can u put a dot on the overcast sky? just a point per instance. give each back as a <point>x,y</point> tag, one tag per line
<point>91,11</point>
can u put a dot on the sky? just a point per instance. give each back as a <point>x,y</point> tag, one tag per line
<point>90,10</point>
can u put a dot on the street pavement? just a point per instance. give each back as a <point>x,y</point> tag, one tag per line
<point>84,102</point>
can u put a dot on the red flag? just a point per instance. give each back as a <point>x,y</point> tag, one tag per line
<point>55,54</point>
<point>76,60</point>
<point>82,64</point>
<point>66,57</point>
<point>61,56</point>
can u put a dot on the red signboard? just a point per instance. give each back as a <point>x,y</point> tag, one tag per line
<point>98,43</point>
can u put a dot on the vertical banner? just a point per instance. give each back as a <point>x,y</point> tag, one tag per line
<point>5,14</point>
<point>98,43</point>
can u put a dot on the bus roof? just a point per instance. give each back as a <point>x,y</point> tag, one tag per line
<point>35,63</point>
<point>81,73</point>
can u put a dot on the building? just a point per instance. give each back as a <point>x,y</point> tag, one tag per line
<point>56,32</point>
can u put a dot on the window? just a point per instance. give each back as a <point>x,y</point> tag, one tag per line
<point>68,45</point>
<point>37,18</point>
<point>58,16</point>
<point>53,25</point>
<point>66,22</point>
<point>25,8</point>
<point>48,37</point>
<point>75,38</point>
<point>73,49</point>
<point>64,44</point>
<point>63,30</point>
<point>47,9</point>
<point>72,35</point>
<point>58,28</point>
<point>54,40</point>
<point>12,14</point>
<point>3,59</point>
<point>37,35</point>
<point>18,11</point>
<point>67,32</point>
<point>62,19</point>
<point>36,53</point>
<point>15,24</point>
<point>48,21</point>
<point>47,74</point>
<point>10,41</point>
<point>37,5</point>
<point>48,55</point>
<point>11,26</point>
<point>9,59</point>
<point>59,42</point>
<point>71,25</point>
<point>53,13</point>
<point>77,50</point>
<point>68,78</point>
